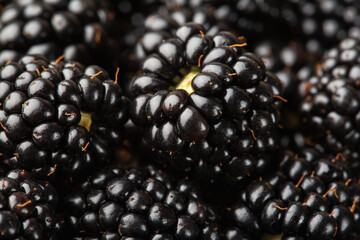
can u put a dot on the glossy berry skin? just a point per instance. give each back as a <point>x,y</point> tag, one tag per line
<point>321,226</point>
<point>28,207</point>
<point>80,32</point>
<point>264,208</point>
<point>64,115</point>
<point>138,203</point>
<point>204,104</point>
<point>331,103</point>
<point>158,27</point>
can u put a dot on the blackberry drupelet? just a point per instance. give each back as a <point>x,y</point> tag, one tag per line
<point>58,114</point>
<point>138,203</point>
<point>331,105</point>
<point>207,106</point>
<point>28,208</point>
<point>312,196</point>
<point>80,30</point>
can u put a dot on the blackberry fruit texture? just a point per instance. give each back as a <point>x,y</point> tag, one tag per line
<point>206,105</point>
<point>157,22</point>
<point>161,26</point>
<point>331,105</point>
<point>138,204</point>
<point>311,196</point>
<point>58,114</point>
<point>80,30</point>
<point>28,208</point>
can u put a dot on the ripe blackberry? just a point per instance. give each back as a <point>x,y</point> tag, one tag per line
<point>312,196</point>
<point>206,105</point>
<point>28,208</point>
<point>77,29</point>
<point>331,105</point>
<point>58,114</point>
<point>138,204</point>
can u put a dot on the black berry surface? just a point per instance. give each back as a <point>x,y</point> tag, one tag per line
<point>311,196</point>
<point>206,105</point>
<point>331,101</point>
<point>138,203</point>
<point>28,207</point>
<point>80,30</point>
<point>58,115</point>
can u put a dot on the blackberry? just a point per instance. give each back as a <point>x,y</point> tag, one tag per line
<point>311,196</point>
<point>331,104</point>
<point>138,203</point>
<point>28,207</point>
<point>206,105</point>
<point>79,30</point>
<point>58,114</point>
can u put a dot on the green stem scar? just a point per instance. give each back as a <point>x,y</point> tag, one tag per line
<point>185,81</point>
<point>86,120</point>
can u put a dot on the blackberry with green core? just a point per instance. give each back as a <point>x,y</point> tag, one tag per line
<point>209,108</point>
<point>28,207</point>
<point>138,203</point>
<point>331,104</point>
<point>58,115</point>
<point>80,30</point>
<point>312,196</point>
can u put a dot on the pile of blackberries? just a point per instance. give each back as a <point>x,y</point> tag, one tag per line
<point>179,120</point>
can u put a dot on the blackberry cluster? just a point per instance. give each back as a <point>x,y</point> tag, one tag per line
<point>206,104</point>
<point>80,30</point>
<point>138,204</point>
<point>331,105</point>
<point>312,196</point>
<point>58,114</point>
<point>28,208</point>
